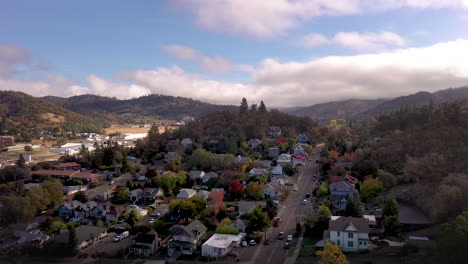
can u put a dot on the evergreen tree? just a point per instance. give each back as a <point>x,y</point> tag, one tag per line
<point>244,107</point>
<point>262,109</point>
<point>21,161</point>
<point>72,239</point>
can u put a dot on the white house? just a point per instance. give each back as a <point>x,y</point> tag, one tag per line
<point>349,233</point>
<point>240,159</point>
<point>220,244</point>
<point>185,194</point>
<point>279,180</point>
<point>271,191</point>
<point>144,245</point>
<point>299,159</point>
<point>197,175</point>
<point>284,160</point>
<point>257,171</point>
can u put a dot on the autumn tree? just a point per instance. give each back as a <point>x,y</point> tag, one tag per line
<point>371,187</point>
<point>255,191</point>
<point>216,201</point>
<point>236,189</point>
<point>333,154</point>
<point>331,254</point>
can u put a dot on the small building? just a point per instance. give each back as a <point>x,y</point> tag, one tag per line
<point>86,235</point>
<point>114,213</point>
<point>254,143</point>
<point>27,233</point>
<point>271,191</point>
<point>210,175</point>
<point>100,210</point>
<point>340,194</point>
<point>185,239</point>
<point>240,159</point>
<point>303,138</point>
<point>84,209</point>
<point>239,224</point>
<point>348,233</point>
<point>67,209</point>
<point>277,170</point>
<point>7,140</point>
<point>135,195</point>
<point>273,152</point>
<point>258,171</point>
<point>203,194</point>
<point>218,245</point>
<point>284,160</point>
<point>150,194</point>
<point>69,190</point>
<point>279,180</point>
<point>299,159</point>
<point>86,176</point>
<point>144,245</point>
<point>185,194</point>
<point>197,175</point>
<point>170,156</point>
<point>274,131</point>
<point>187,143</point>
<point>246,207</point>
<point>262,163</point>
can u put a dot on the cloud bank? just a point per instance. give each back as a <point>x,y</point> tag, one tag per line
<point>293,83</point>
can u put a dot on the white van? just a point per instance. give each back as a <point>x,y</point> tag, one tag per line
<point>124,235</point>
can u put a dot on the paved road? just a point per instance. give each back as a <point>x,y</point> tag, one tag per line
<point>291,210</point>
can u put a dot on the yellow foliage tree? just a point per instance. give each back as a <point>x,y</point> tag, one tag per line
<point>331,254</point>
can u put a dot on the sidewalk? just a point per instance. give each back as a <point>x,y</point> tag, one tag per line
<point>292,259</point>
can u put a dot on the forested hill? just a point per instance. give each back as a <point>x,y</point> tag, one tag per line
<point>355,109</point>
<point>153,106</point>
<point>24,114</point>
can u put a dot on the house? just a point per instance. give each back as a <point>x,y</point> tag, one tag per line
<point>141,177</point>
<point>27,233</point>
<point>299,159</point>
<point>279,180</point>
<point>277,170</point>
<point>54,173</point>
<point>170,156</point>
<point>240,159</point>
<point>100,210</point>
<point>262,163</point>
<point>274,131</point>
<point>144,245</point>
<point>300,149</point>
<point>185,239</point>
<point>220,244</point>
<point>84,209</point>
<point>139,211</point>
<point>185,194</point>
<point>67,209</point>
<point>86,235</point>
<point>203,194</point>
<point>210,175</point>
<point>271,191</point>
<point>197,175</point>
<point>254,143</point>
<point>114,213</point>
<point>7,140</point>
<point>303,138</point>
<point>135,195</point>
<point>221,190</point>
<point>348,233</point>
<point>67,166</point>
<point>187,143</point>
<point>150,194</point>
<point>341,193</point>
<point>346,177</point>
<point>273,152</point>
<point>284,160</point>
<point>257,171</point>
<point>246,207</point>
<point>239,224</point>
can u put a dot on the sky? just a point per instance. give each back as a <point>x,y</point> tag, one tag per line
<point>284,52</point>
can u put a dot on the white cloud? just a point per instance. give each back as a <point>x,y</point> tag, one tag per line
<point>181,52</point>
<point>355,41</point>
<point>212,65</point>
<point>10,56</point>
<point>274,18</point>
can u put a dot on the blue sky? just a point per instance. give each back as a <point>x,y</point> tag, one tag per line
<point>132,48</point>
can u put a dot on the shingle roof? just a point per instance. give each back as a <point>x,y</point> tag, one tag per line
<point>340,224</point>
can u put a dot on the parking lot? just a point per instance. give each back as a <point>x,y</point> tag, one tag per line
<point>107,245</point>
<point>245,253</point>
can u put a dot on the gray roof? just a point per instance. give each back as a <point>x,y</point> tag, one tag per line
<point>196,174</point>
<point>83,233</point>
<point>249,206</point>
<point>340,224</point>
<point>342,185</point>
<point>187,192</point>
<point>195,228</point>
<point>150,192</point>
<point>72,205</point>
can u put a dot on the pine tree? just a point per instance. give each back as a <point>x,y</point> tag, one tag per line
<point>262,109</point>
<point>21,161</point>
<point>244,106</point>
<point>72,240</point>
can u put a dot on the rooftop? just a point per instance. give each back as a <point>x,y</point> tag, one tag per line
<point>222,240</point>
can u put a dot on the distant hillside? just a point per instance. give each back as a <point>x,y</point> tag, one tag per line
<point>417,99</point>
<point>22,113</point>
<point>347,109</point>
<point>152,106</point>
<point>358,109</point>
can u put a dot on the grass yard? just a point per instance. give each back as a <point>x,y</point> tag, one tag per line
<point>310,241</point>
<point>307,251</point>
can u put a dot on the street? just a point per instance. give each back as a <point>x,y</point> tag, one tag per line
<point>291,211</point>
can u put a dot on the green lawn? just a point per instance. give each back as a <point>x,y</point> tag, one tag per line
<point>291,251</point>
<point>307,251</point>
<point>310,241</point>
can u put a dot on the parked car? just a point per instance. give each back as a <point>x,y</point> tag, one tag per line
<point>276,202</point>
<point>304,202</point>
<point>152,220</point>
<point>276,223</point>
<point>281,236</point>
<point>266,242</point>
<point>117,238</point>
<point>287,245</point>
<point>307,195</point>
<point>112,182</point>
<point>295,189</point>
<point>233,254</point>
<point>290,237</point>
<point>252,242</point>
<point>155,214</point>
<point>244,243</point>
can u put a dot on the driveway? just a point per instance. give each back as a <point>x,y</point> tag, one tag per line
<point>108,246</point>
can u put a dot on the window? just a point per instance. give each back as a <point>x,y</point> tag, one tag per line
<point>338,233</point>
<point>365,243</point>
<point>350,235</point>
<point>338,242</point>
<point>360,243</point>
<point>350,244</point>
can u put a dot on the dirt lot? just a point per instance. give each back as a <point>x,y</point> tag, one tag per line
<point>37,155</point>
<point>107,245</point>
<point>126,129</point>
